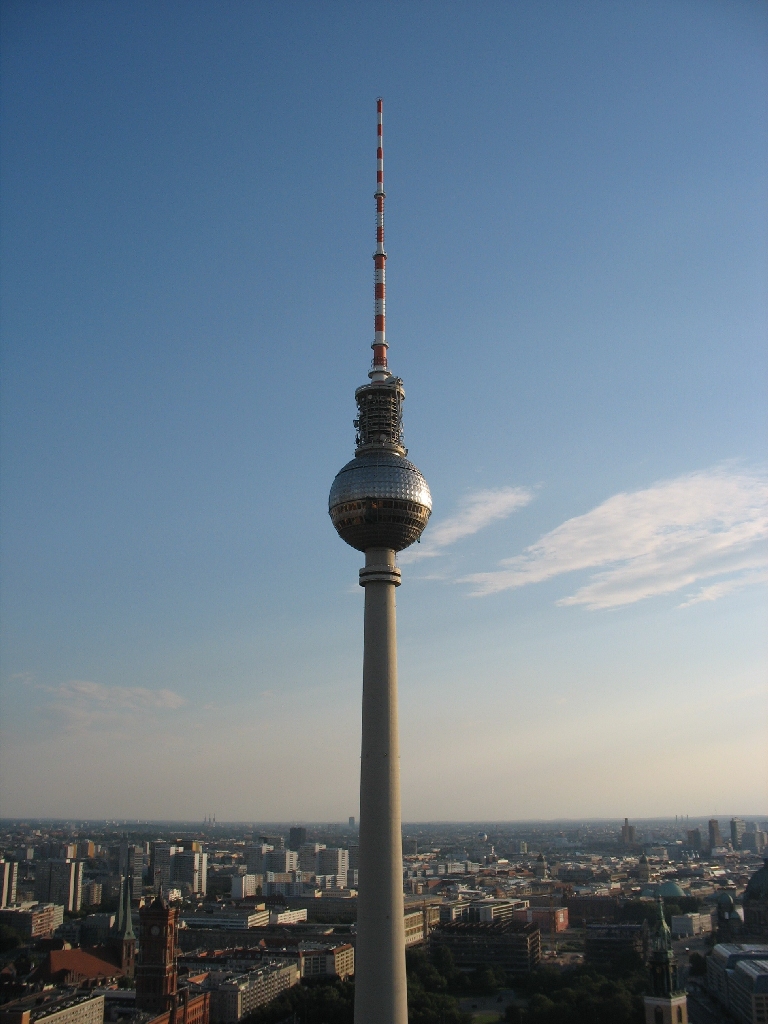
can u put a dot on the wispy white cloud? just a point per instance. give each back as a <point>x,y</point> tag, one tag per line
<point>711,524</point>
<point>717,590</point>
<point>80,704</point>
<point>476,511</point>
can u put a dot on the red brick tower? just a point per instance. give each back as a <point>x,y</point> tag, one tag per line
<point>156,969</point>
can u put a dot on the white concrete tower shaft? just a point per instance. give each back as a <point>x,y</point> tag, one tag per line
<point>380,981</point>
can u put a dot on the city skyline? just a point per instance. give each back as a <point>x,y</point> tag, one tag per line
<point>576,259</point>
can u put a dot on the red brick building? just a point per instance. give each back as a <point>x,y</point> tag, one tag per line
<point>156,974</point>
<point>545,918</point>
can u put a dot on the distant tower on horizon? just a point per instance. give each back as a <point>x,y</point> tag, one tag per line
<point>715,838</point>
<point>380,504</point>
<point>627,833</point>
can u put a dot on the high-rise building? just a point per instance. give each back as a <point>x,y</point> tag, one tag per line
<point>281,861</point>
<point>380,503</point>
<point>255,858</point>
<point>191,871</point>
<point>60,882</point>
<point>715,839</point>
<point>694,839</point>
<point>245,885</point>
<point>92,892</point>
<point>308,856</point>
<point>9,873</point>
<point>161,865</point>
<point>131,865</point>
<point>627,833</point>
<point>297,837</point>
<point>755,840</point>
<point>275,842</point>
<point>332,861</point>
<point>666,1002</point>
<point>738,828</point>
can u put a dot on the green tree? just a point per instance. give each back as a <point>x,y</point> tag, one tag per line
<point>582,996</point>
<point>637,911</point>
<point>697,965</point>
<point>317,1002</point>
<point>9,939</point>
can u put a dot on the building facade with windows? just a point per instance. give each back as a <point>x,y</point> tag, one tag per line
<point>236,996</point>
<point>512,946</point>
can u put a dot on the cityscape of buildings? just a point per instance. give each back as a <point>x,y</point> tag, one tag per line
<point>209,923</point>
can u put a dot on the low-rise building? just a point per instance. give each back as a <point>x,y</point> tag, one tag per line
<point>95,929</point>
<point>235,996</point>
<point>33,920</point>
<point>748,991</point>
<point>54,1008</point>
<point>510,945</point>
<point>721,966</point>
<point>334,909</point>
<point>607,945</point>
<point>331,961</point>
<point>683,925</point>
<point>283,916</point>
<point>584,910</point>
<point>420,922</point>
<point>549,920</point>
<point>229,918</point>
<point>244,886</point>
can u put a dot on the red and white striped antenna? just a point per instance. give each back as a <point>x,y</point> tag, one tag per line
<point>379,369</point>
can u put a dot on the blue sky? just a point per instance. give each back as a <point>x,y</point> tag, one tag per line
<point>576,211</point>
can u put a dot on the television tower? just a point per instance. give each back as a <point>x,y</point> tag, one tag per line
<point>380,503</point>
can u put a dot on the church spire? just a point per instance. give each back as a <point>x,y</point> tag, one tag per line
<point>666,1002</point>
<point>125,926</point>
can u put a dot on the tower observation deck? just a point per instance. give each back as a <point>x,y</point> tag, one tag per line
<point>380,503</point>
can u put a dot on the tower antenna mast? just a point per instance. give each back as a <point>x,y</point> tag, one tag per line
<point>379,368</point>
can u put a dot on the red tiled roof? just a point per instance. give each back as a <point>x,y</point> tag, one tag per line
<point>61,964</point>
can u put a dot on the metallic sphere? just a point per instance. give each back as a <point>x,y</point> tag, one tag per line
<point>379,500</point>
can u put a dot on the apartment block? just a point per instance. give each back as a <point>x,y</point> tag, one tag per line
<point>60,882</point>
<point>333,961</point>
<point>33,920</point>
<point>244,886</point>
<point>514,947</point>
<point>237,996</point>
<point>297,837</point>
<point>9,874</point>
<point>54,1008</point>
<point>333,861</point>
<point>191,871</point>
<point>308,853</point>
